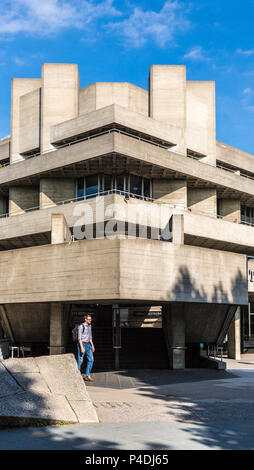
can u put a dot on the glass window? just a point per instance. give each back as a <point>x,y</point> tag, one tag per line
<point>80,188</point>
<point>120,182</point>
<point>135,184</point>
<point>147,189</point>
<point>92,187</point>
<point>107,182</point>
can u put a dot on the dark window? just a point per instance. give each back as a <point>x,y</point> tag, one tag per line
<point>120,182</point>
<point>92,187</point>
<point>147,190</point>
<point>107,182</point>
<point>80,189</point>
<point>135,184</point>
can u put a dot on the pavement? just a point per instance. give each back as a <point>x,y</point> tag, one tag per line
<point>163,409</point>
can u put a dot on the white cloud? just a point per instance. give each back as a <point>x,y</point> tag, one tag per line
<point>197,54</point>
<point>246,53</point>
<point>49,16</point>
<point>143,25</point>
<point>248,91</point>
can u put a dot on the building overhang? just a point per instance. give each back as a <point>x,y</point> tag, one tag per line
<point>119,270</point>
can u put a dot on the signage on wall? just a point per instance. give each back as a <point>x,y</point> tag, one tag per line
<point>251,275</point>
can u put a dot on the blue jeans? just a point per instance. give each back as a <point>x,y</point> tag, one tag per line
<point>89,354</point>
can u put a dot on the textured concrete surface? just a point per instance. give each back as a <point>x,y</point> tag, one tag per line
<point>47,388</point>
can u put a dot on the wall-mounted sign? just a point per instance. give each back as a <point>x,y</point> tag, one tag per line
<point>251,275</point>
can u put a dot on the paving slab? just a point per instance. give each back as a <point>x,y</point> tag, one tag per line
<point>8,385</point>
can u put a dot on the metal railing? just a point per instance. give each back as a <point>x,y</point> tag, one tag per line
<point>82,139</point>
<point>127,196</point>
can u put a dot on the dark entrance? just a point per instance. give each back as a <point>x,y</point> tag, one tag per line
<point>122,339</point>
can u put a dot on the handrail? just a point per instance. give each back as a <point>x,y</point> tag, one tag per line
<point>127,195</point>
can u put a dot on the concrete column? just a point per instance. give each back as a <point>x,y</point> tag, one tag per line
<point>178,229</point>
<point>58,328</point>
<point>59,98</point>
<point>20,87</point>
<point>53,190</point>
<point>203,200</point>
<point>231,210</point>
<point>234,337</point>
<point>167,97</point>
<point>60,232</point>
<point>22,198</point>
<point>171,191</point>
<point>200,119</point>
<point>174,329</point>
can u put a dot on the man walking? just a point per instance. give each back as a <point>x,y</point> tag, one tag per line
<point>86,346</point>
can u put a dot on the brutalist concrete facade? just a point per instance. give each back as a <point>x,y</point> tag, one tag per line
<point>115,196</point>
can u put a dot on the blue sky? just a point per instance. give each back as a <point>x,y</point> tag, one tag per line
<point>119,40</point>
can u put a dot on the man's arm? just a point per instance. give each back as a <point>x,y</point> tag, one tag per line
<point>80,340</point>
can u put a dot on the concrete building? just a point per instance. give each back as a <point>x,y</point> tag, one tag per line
<point>120,202</point>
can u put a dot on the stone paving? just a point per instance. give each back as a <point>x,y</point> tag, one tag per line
<point>193,395</point>
<point>47,388</point>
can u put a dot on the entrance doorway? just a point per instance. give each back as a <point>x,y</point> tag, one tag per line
<point>125,336</point>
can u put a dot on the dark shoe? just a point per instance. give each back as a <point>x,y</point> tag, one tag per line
<point>89,379</point>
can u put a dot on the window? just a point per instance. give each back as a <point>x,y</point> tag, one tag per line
<point>135,184</point>
<point>92,186</point>
<point>80,189</point>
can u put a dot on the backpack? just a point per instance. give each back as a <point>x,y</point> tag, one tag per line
<point>75,332</point>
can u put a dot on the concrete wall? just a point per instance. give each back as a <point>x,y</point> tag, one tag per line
<point>98,95</point>
<point>201,121</point>
<point>29,130</point>
<point>122,270</point>
<point>231,210</point>
<point>20,87</point>
<point>203,200</point>
<point>21,198</point>
<point>171,191</point>
<point>53,190</point>
<point>60,88</point>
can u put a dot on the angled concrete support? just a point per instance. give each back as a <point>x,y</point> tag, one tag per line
<point>6,324</point>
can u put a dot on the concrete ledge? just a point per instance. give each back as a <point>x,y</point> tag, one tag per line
<point>212,363</point>
<point>48,389</point>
